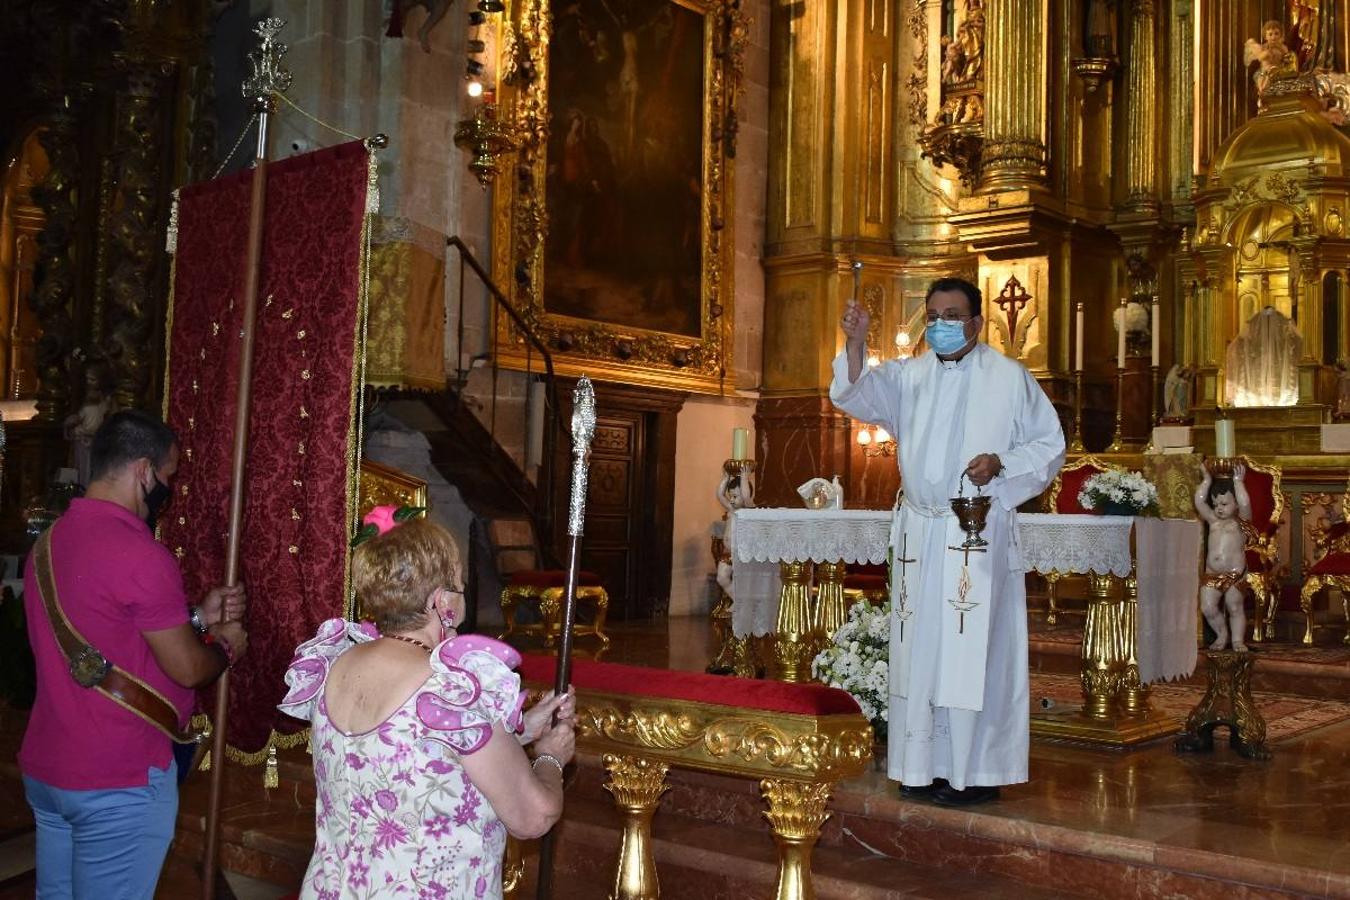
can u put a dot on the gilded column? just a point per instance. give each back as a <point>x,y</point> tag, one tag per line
<point>1141,105</point>
<point>134,302</point>
<point>1015,95</point>
<point>636,784</point>
<point>796,812</point>
<point>54,277</point>
<point>1181,114</point>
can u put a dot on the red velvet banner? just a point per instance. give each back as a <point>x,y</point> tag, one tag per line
<point>294,550</point>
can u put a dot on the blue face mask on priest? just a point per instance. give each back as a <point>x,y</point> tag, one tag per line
<point>953,324</point>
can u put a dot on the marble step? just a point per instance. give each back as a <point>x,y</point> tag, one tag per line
<point>700,860</point>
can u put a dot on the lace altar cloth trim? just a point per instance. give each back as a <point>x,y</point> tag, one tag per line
<point>802,535</point>
<point>1075,543</point>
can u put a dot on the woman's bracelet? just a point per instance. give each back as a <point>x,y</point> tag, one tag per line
<point>547,757</point>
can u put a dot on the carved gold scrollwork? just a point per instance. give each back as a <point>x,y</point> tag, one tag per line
<point>747,739</point>
<point>663,730</point>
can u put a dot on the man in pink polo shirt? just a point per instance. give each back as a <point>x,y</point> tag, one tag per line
<point>100,778</point>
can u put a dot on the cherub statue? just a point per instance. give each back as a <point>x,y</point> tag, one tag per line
<point>733,493</point>
<point>1177,393</point>
<point>1225,507</point>
<point>1273,56</point>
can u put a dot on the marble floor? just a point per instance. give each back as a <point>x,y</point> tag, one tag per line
<point>1090,823</point>
<point>1283,821</point>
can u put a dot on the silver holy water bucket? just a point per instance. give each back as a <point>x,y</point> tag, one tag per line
<point>972,513</point>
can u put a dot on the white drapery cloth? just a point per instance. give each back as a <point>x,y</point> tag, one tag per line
<point>959,706</point>
<point>1261,364</point>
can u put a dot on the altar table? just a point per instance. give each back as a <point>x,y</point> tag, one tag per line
<point>1141,619</point>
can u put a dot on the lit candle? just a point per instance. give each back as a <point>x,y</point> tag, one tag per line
<point>1224,439</point>
<point>740,442</point>
<point>1157,334</point>
<point>1078,344</point>
<point>1120,337</point>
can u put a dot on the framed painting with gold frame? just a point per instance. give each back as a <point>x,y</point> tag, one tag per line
<point>614,231</point>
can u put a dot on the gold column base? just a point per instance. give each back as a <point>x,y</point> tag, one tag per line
<point>792,655</point>
<point>796,812</point>
<point>1118,732</point>
<point>1115,710</point>
<point>636,785</point>
<point>1227,701</point>
<point>724,661</point>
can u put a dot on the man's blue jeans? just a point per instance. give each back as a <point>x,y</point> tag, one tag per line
<point>105,843</point>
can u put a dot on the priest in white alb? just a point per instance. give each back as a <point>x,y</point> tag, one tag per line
<point>966,420</point>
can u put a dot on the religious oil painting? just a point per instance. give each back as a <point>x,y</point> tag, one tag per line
<point>625,164</point>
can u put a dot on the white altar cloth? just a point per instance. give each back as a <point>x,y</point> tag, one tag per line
<point>1168,552</point>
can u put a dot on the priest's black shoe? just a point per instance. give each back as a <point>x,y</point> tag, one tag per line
<point>950,796</point>
<point>922,791</point>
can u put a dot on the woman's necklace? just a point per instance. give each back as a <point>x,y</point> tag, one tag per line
<point>407,640</point>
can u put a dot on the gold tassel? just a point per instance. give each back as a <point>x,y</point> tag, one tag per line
<point>271,778</point>
<point>171,234</point>
<point>372,183</point>
<point>206,762</point>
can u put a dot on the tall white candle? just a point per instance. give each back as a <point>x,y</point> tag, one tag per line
<point>1154,323</point>
<point>1078,339</point>
<point>1120,338</point>
<point>1225,440</point>
<point>740,442</point>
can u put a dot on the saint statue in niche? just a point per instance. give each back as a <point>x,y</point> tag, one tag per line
<point>1177,392</point>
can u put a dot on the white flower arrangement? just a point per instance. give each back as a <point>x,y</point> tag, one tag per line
<point>1120,489</point>
<point>858,661</point>
<point>1136,315</point>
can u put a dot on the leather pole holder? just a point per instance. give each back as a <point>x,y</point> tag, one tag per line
<point>91,669</point>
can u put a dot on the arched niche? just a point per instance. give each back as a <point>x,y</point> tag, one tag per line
<point>1261,240</point>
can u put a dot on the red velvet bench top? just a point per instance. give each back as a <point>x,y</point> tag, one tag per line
<point>667,684</point>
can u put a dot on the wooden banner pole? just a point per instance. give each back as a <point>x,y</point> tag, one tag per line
<point>266,80</point>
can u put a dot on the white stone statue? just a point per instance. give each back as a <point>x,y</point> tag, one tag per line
<point>1225,507</point>
<point>734,492</point>
<point>80,426</point>
<point>1177,391</point>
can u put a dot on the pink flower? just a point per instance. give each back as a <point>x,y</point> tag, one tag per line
<point>382,517</point>
<point>387,800</point>
<point>389,834</point>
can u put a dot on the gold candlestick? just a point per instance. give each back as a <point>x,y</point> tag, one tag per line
<point>1118,439</point>
<point>1077,445</point>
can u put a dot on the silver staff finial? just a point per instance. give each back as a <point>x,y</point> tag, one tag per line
<point>267,78</point>
<point>583,429</point>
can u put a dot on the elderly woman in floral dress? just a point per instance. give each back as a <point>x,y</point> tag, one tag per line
<point>418,735</point>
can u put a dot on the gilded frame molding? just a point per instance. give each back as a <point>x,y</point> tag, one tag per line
<point>604,350</point>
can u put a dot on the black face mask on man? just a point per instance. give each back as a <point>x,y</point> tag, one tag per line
<point>155,498</point>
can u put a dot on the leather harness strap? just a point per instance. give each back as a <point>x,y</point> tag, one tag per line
<point>91,669</point>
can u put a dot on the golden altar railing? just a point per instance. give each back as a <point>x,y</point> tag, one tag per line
<point>797,758</point>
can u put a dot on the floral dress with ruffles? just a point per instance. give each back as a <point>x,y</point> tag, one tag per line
<point>396,814</point>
